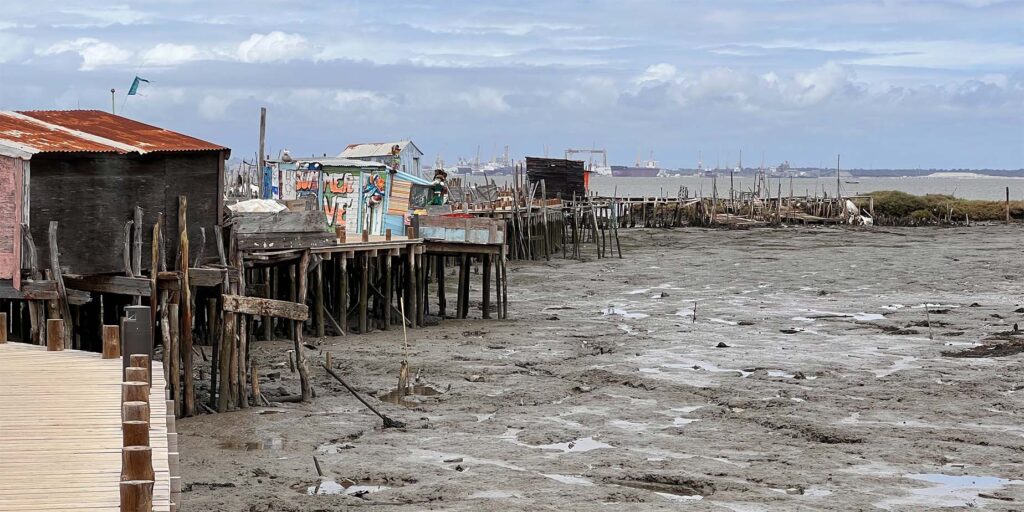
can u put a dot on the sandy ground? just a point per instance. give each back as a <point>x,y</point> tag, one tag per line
<point>602,392</point>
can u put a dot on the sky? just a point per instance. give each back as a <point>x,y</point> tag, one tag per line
<point>885,83</point>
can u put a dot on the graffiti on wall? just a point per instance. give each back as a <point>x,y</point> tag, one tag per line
<point>307,184</point>
<point>339,200</point>
<point>374,189</point>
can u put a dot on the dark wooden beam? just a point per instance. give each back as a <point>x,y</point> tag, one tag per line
<point>135,286</point>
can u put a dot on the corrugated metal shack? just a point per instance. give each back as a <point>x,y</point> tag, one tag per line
<point>88,170</point>
<point>563,178</point>
<point>409,156</point>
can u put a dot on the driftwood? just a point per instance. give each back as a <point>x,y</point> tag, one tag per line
<point>388,422</point>
<point>259,306</point>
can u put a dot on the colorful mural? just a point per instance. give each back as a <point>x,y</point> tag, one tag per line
<point>340,205</point>
<point>374,192</point>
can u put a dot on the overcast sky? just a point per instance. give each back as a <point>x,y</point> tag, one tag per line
<point>893,83</point>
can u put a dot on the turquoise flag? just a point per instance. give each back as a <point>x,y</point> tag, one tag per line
<point>135,86</point>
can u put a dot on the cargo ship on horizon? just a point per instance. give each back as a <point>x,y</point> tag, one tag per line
<point>642,169</point>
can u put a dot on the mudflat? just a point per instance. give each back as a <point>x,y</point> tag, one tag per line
<point>766,369</point>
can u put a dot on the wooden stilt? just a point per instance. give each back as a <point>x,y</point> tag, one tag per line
<point>214,334</point>
<point>504,283</point>
<point>242,385</point>
<point>343,293</point>
<point>268,328</point>
<point>300,356</point>
<point>189,394</point>
<point>62,293</point>
<point>421,289</point>
<point>487,280</point>
<point>175,358</point>
<point>318,283</point>
<point>439,277</point>
<point>292,295</point>
<point>3,327</point>
<point>227,341</point>
<point>387,289</point>
<point>54,334</point>
<point>364,290</point>
<point>461,295</point>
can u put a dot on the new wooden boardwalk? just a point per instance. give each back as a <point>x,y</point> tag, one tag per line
<point>60,431</point>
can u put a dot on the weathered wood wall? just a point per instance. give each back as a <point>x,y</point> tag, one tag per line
<point>92,196</point>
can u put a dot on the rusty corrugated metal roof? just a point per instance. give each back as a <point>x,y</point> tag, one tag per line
<point>43,131</point>
<point>34,137</point>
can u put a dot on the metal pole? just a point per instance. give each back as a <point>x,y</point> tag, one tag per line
<point>112,101</point>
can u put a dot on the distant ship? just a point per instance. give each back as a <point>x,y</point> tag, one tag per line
<point>642,169</point>
<point>622,171</point>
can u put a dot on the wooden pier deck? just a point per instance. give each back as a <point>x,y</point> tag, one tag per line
<point>60,431</point>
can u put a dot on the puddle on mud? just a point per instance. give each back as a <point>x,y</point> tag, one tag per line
<point>345,487</point>
<point>724,321</point>
<point>951,490</point>
<point>271,443</point>
<point>395,397</point>
<point>679,422</point>
<point>568,479</point>
<point>680,497</point>
<point>578,445</point>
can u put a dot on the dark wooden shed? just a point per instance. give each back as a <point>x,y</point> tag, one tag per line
<point>562,178</point>
<point>88,170</point>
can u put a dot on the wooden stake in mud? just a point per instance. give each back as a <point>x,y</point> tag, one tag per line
<point>1007,205</point>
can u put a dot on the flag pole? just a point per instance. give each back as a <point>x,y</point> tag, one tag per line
<point>112,101</point>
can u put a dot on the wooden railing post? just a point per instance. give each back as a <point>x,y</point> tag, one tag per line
<point>137,475</point>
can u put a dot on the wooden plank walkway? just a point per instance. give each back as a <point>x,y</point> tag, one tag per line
<point>60,431</point>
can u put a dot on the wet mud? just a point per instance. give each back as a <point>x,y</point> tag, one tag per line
<point>766,369</point>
